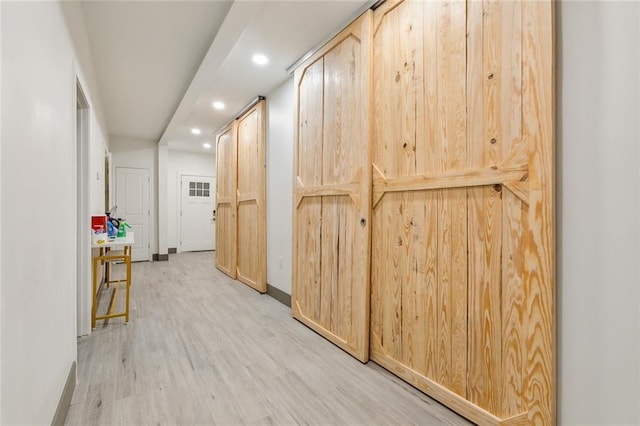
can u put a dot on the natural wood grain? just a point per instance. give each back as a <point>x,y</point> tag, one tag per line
<point>333,175</point>
<point>482,176</point>
<point>226,226</point>
<point>503,57</point>
<point>225,200</point>
<point>485,230</point>
<point>450,51</point>
<point>250,199</point>
<point>517,155</point>
<point>348,77</point>
<point>430,149</point>
<point>247,196</point>
<point>508,62</point>
<point>419,237</point>
<point>482,89</point>
<point>307,171</point>
<point>248,243</point>
<point>513,355</point>
<point>441,393</point>
<point>330,258</point>
<point>309,83</point>
<point>520,189</point>
<point>308,269</point>
<point>429,281</point>
<point>458,327</point>
<point>398,89</point>
<point>452,204</point>
<point>403,312</point>
<point>475,132</point>
<point>538,107</point>
<point>390,257</point>
<point>485,337</point>
<point>352,189</point>
<point>443,43</point>
<point>225,218</point>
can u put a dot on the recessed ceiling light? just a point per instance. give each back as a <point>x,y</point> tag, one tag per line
<point>195,131</point>
<point>218,105</point>
<point>206,145</point>
<point>260,59</point>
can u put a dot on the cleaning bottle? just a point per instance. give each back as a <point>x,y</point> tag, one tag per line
<point>111,230</point>
<point>122,231</point>
<point>98,236</point>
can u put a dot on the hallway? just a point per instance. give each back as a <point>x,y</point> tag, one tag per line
<point>201,348</point>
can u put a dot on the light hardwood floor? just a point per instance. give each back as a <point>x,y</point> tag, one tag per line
<point>201,348</point>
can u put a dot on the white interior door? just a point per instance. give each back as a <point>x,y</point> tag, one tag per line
<point>197,223</point>
<point>132,199</point>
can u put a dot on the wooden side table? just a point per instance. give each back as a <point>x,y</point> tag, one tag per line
<point>107,256</point>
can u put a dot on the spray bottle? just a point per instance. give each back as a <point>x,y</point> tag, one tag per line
<point>122,230</point>
<point>111,230</point>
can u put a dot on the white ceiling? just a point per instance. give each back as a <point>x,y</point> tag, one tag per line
<point>161,64</point>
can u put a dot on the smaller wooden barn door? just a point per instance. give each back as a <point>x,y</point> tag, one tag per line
<point>330,290</point>
<point>226,201</point>
<point>250,199</point>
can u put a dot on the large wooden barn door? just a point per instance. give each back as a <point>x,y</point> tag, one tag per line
<point>226,201</point>
<point>251,246</point>
<point>332,200</point>
<point>462,235</point>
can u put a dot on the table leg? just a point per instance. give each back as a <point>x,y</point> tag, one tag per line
<point>128,284</point>
<point>93,295</point>
<point>107,268</point>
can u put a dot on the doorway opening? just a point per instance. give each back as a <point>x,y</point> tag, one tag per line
<point>83,243</point>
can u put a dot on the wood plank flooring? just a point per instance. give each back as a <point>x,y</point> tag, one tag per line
<point>201,348</point>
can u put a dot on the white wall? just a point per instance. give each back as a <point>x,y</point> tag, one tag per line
<point>141,153</point>
<point>98,142</point>
<point>280,124</point>
<point>98,149</point>
<point>598,213</point>
<point>38,192</point>
<point>1,212</point>
<point>183,163</point>
<point>162,167</point>
<point>97,145</point>
<point>138,153</point>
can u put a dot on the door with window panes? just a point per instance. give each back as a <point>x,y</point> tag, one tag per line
<point>197,217</point>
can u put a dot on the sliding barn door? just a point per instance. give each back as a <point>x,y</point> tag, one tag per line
<point>462,235</point>
<point>250,199</point>
<point>332,200</point>
<point>226,201</point>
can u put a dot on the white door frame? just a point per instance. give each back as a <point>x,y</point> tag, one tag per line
<point>83,239</point>
<point>179,205</point>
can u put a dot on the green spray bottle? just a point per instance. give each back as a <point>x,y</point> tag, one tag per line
<point>122,229</point>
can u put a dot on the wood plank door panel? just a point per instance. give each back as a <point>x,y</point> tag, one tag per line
<point>226,201</point>
<point>462,277</point>
<point>330,290</point>
<point>251,241</point>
